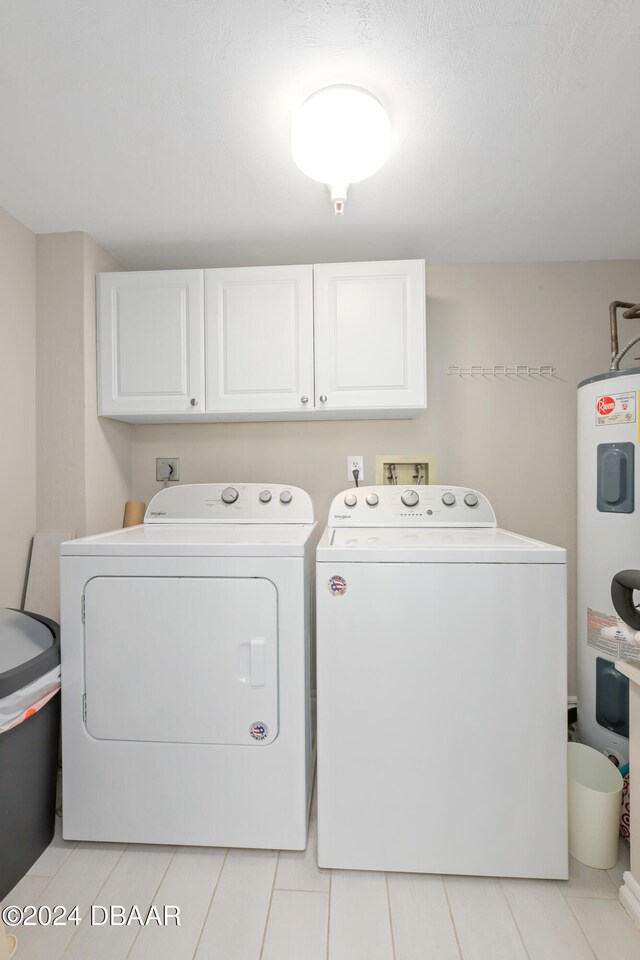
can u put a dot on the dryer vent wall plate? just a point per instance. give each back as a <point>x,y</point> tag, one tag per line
<point>405,470</point>
<point>167,468</point>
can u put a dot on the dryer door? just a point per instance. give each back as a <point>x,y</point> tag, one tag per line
<point>182,660</point>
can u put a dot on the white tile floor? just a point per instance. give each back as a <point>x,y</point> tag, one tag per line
<point>261,905</point>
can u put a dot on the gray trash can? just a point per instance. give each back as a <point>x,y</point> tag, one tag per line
<point>29,651</point>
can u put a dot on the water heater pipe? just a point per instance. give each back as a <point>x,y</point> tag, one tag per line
<point>632,312</point>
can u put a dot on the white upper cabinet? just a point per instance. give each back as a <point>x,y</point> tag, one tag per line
<point>259,339</point>
<point>151,343</point>
<point>370,335</point>
<point>330,341</point>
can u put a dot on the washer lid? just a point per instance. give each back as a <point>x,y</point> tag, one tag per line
<point>196,540</point>
<point>434,545</point>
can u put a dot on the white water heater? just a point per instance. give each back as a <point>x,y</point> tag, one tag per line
<point>608,542</point>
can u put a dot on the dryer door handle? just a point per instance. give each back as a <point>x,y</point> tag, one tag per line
<point>258,661</point>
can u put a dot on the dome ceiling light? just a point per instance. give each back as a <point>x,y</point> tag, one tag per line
<point>340,135</point>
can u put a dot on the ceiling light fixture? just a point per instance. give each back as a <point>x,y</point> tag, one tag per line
<point>340,135</point>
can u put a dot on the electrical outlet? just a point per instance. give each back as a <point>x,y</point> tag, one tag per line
<point>355,463</point>
<point>167,468</point>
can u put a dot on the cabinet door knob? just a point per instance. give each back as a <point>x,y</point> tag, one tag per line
<point>304,399</point>
<point>194,402</point>
<point>323,398</point>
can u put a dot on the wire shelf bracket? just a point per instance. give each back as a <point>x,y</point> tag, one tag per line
<point>542,371</point>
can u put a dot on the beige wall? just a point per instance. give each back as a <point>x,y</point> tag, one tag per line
<point>83,462</point>
<point>17,403</point>
<point>107,442</point>
<point>514,440</point>
<point>60,398</point>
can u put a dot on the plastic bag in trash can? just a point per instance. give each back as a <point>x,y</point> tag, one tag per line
<point>23,703</point>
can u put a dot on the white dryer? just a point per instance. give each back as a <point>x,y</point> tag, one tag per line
<point>442,696</point>
<point>186,663</point>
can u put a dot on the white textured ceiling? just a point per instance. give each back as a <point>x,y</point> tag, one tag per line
<point>161,127</point>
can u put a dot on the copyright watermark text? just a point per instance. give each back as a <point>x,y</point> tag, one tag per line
<point>100,915</point>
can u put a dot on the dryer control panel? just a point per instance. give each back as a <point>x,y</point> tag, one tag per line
<point>230,503</point>
<point>420,506</point>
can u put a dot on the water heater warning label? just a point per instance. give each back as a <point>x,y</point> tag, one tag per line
<point>611,636</point>
<point>619,408</point>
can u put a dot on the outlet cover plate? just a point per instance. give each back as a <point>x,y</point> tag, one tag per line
<point>355,463</point>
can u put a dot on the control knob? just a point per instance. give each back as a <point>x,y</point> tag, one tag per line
<point>350,500</point>
<point>286,496</point>
<point>410,498</point>
<point>229,495</point>
<point>264,496</point>
<point>373,499</point>
<point>471,499</point>
<point>448,499</point>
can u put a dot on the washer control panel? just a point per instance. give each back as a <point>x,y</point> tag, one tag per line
<point>230,503</point>
<point>421,506</point>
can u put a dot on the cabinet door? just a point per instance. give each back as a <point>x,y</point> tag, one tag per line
<point>259,336</point>
<point>151,342</point>
<point>370,335</point>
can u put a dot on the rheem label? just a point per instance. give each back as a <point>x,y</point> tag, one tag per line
<point>615,408</point>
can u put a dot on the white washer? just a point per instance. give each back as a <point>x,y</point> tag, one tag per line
<point>442,696</point>
<point>187,714</point>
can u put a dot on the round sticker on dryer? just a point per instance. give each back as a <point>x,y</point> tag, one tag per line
<point>337,586</point>
<point>259,730</point>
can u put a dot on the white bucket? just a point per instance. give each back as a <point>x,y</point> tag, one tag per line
<point>595,791</point>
